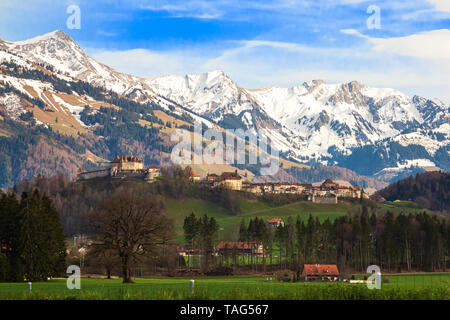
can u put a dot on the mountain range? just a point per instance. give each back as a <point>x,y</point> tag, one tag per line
<point>81,112</point>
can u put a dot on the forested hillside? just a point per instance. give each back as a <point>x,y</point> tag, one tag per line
<point>430,190</point>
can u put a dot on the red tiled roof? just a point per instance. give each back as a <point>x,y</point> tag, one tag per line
<point>238,244</point>
<point>153,166</point>
<point>194,174</point>
<point>328,181</point>
<point>320,270</point>
<point>230,176</point>
<point>276,220</point>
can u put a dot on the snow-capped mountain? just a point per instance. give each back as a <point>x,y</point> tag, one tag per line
<point>345,116</point>
<point>336,124</point>
<point>317,121</point>
<point>58,50</point>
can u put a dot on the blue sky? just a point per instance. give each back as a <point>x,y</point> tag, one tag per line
<point>258,43</point>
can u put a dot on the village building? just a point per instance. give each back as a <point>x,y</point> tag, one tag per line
<point>328,184</point>
<point>231,180</point>
<point>241,248</point>
<point>153,172</point>
<point>194,176</point>
<point>249,187</point>
<point>212,177</point>
<point>322,272</point>
<point>276,222</point>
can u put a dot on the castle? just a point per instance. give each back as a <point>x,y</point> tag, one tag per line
<point>123,167</point>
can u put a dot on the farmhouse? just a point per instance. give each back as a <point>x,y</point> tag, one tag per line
<point>277,222</point>
<point>226,248</point>
<point>320,272</point>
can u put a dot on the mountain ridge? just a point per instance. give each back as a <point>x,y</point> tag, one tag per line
<point>312,123</point>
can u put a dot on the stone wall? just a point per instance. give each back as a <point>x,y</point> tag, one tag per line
<point>94,174</point>
<point>324,199</point>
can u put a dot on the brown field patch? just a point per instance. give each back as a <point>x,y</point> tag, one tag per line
<point>168,118</point>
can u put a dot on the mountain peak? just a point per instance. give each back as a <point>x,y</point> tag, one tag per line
<point>55,35</point>
<point>354,86</point>
<point>216,72</point>
<point>312,84</point>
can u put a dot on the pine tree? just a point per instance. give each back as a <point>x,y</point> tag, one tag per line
<point>191,231</point>
<point>10,265</point>
<point>42,238</point>
<point>243,231</point>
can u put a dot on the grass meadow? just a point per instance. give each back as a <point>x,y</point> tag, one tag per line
<point>434,286</point>
<point>177,210</point>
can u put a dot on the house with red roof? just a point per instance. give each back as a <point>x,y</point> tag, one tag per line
<point>194,176</point>
<point>322,272</point>
<point>276,222</point>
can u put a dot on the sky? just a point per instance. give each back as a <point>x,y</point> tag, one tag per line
<point>401,44</point>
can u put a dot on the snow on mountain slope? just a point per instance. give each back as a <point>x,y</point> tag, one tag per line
<point>212,94</point>
<point>215,96</point>
<point>58,50</point>
<point>345,115</point>
<point>311,122</point>
<point>404,165</point>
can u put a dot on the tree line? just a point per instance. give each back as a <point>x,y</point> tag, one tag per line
<point>32,242</point>
<point>395,242</point>
<point>201,234</point>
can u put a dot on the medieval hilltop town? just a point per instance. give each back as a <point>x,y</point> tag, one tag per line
<point>131,167</point>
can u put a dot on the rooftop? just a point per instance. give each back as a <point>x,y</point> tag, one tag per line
<point>119,159</point>
<point>320,270</point>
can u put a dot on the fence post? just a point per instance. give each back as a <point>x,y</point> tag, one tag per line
<point>191,286</point>
<point>29,286</point>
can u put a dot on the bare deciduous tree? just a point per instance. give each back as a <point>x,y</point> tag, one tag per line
<point>134,225</point>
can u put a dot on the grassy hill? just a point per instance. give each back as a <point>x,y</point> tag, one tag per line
<point>229,224</point>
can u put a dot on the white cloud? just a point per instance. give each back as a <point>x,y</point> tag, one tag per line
<point>417,64</point>
<point>433,45</point>
<point>441,5</point>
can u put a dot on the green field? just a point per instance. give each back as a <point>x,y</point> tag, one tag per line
<point>417,286</point>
